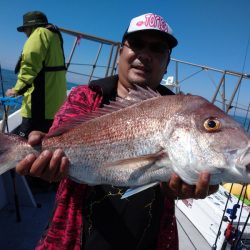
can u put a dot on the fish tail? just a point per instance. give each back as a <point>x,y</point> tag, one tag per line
<point>9,149</point>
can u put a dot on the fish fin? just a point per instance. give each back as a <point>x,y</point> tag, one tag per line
<point>133,97</point>
<point>139,169</point>
<point>131,191</point>
<point>140,161</point>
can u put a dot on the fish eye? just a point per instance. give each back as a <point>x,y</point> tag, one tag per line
<point>212,125</point>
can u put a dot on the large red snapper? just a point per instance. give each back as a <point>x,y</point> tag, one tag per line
<point>144,139</point>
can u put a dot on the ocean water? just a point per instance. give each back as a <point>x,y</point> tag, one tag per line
<point>9,79</point>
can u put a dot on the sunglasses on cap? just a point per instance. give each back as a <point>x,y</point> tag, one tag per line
<point>139,45</point>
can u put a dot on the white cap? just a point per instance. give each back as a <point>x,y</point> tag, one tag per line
<point>151,21</point>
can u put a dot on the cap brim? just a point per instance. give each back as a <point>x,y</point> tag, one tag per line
<point>171,40</point>
<point>21,28</point>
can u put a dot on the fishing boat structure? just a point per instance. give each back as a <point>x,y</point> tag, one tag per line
<point>202,224</point>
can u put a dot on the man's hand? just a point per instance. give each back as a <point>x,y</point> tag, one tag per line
<point>50,166</point>
<point>176,188</point>
<point>10,92</point>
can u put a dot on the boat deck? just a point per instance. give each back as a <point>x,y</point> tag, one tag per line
<point>34,215</point>
<point>189,237</point>
<point>24,235</point>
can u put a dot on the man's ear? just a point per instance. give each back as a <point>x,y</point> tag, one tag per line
<point>120,51</point>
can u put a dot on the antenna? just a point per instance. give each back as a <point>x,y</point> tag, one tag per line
<point>243,68</point>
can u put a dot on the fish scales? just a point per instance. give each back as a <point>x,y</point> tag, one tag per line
<point>110,138</point>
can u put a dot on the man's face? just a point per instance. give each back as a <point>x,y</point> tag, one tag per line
<point>143,59</point>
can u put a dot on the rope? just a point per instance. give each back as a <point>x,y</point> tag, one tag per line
<point>243,229</point>
<point>223,215</point>
<point>230,232</point>
<point>6,109</point>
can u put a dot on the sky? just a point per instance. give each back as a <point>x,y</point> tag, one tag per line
<point>214,33</point>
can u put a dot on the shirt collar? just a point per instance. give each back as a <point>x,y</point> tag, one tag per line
<point>107,87</point>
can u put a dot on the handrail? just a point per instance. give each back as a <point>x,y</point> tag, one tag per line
<point>230,72</point>
<point>88,37</point>
<point>112,53</point>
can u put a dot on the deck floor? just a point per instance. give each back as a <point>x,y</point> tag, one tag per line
<point>25,234</point>
<point>189,237</point>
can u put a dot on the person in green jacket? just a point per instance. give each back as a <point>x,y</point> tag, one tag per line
<point>41,72</point>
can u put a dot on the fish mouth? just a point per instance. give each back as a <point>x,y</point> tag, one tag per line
<point>245,160</point>
<point>248,168</point>
<point>242,159</point>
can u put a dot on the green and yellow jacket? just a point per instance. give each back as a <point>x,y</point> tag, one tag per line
<point>41,79</point>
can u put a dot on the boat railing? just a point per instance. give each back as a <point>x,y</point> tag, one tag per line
<point>227,89</point>
<point>90,57</point>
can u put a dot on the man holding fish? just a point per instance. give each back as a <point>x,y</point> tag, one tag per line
<point>95,216</point>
